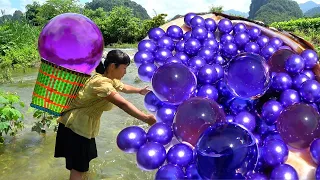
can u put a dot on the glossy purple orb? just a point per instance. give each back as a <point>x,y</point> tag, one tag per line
<point>246,119</point>
<point>160,133</point>
<point>239,27</point>
<point>188,17</point>
<point>299,125</point>
<point>197,21</point>
<point>192,46</point>
<point>180,154</point>
<point>72,41</point>
<point>283,171</point>
<point>275,152</point>
<point>210,24</point>
<point>208,91</point>
<point>156,33</point>
<point>130,139</point>
<point>166,43</point>
<point>151,156</point>
<point>147,45</point>
<point>310,91</point>
<point>315,151</point>
<point>146,71</point>
<point>175,32</point>
<point>298,80</point>
<point>310,57</point>
<point>169,171</point>
<point>254,33</point>
<point>252,47</point>
<point>225,25</point>
<point>262,41</point>
<point>281,82</point>
<point>294,64</point>
<point>271,111</point>
<point>143,57</point>
<point>289,97</point>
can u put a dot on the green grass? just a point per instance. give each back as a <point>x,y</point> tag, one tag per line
<point>122,45</point>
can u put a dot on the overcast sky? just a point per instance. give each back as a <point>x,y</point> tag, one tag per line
<point>170,7</point>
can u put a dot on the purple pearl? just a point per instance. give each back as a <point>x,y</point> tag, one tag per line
<point>267,51</point>
<point>315,151</point>
<point>183,57</point>
<point>211,43</point>
<point>218,59</point>
<point>210,24</point>
<point>294,64</point>
<point>252,47</point>
<point>180,46</point>
<point>166,114</point>
<point>298,80</point>
<point>246,119</point>
<point>130,139</point>
<point>197,21</point>
<point>239,27</point>
<point>187,35</point>
<point>199,33</point>
<point>161,55</point>
<point>270,135</point>
<point>142,57</point>
<point>281,81</point>
<point>166,43</point>
<point>262,41</point>
<point>207,74</point>
<point>210,35</point>
<point>254,33</point>
<point>284,171</point>
<point>147,45</point>
<point>180,154</point>
<point>271,111</point>
<point>226,38</point>
<point>207,54</point>
<point>175,32</point>
<point>275,42</point>
<point>169,171</point>
<point>289,97</point>
<point>275,152</point>
<point>192,46</point>
<point>188,17</point>
<point>160,133</point>
<point>241,39</point>
<point>208,91</point>
<point>196,63</point>
<point>310,57</point>
<point>225,25</point>
<point>309,73</point>
<point>229,50</point>
<point>156,33</point>
<point>146,71</point>
<point>310,91</point>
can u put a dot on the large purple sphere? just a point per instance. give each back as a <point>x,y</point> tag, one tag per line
<point>173,83</point>
<point>299,125</point>
<point>254,78</point>
<point>71,41</point>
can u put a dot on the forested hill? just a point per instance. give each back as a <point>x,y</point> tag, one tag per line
<point>107,5</point>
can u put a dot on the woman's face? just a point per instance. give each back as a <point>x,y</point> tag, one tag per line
<point>118,72</point>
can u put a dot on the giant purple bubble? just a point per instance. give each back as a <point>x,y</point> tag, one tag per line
<point>299,125</point>
<point>194,116</point>
<point>173,83</point>
<point>71,41</point>
<point>254,78</point>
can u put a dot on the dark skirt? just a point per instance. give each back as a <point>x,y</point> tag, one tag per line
<point>77,150</point>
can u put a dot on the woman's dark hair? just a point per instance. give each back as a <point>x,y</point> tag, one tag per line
<point>116,57</point>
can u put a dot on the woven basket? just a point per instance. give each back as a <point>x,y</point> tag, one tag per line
<point>56,87</point>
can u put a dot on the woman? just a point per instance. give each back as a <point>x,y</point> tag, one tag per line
<point>79,124</point>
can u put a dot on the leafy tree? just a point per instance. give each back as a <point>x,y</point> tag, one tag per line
<point>32,11</point>
<point>255,6</point>
<point>218,9</point>
<point>137,10</point>
<point>278,10</point>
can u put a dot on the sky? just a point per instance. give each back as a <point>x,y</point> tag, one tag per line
<point>153,7</point>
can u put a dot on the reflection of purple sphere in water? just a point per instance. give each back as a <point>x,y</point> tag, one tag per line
<point>72,41</point>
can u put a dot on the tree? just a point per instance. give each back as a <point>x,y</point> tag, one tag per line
<point>278,10</point>
<point>218,9</point>
<point>255,6</point>
<point>107,5</point>
<point>32,11</point>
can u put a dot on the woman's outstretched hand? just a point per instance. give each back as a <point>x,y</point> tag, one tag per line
<point>144,90</point>
<point>151,119</point>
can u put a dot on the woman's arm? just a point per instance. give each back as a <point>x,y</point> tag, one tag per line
<point>128,107</point>
<point>130,89</point>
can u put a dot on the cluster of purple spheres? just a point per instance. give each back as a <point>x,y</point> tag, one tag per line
<point>230,103</point>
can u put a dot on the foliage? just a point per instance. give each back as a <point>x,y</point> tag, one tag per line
<point>10,117</point>
<point>255,6</point>
<point>45,120</point>
<point>40,15</point>
<point>218,9</point>
<point>278,10</point>
<point>137,10</point>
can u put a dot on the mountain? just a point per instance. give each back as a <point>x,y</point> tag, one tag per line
<point>237,13</point>
<point>307,6</point>
<point>313,12</point>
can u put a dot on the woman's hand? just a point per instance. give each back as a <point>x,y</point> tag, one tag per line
<point>151,119</point>
<point>144,90</point>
